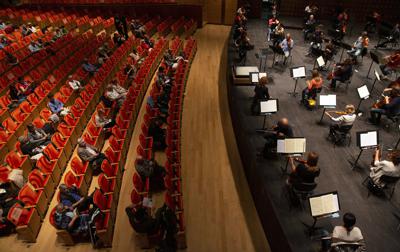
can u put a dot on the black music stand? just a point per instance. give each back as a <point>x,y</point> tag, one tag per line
<point>375,59</point>
<point>327,102</point>
<point>296,73</point>
<point>344,46</point>
<point>268,107</point>
<point>363,94</point>
<point>262,56</point>
<point>276,50</point>
<point>365,140</point>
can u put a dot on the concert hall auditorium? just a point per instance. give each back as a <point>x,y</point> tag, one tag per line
<point>199,125</point>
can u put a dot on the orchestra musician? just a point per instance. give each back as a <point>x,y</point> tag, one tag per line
<point>341,72</point>
<point>388,105</point>
<point>393,37</point>
<point>341,22</point>
<point>361,44</point>
<point>272,24</point>
<point>329,51</point>
<point>309,26</point>
<point>310,9</point>
<point>372,21</point>
<point>385,168</point>
<point>317,40</point>
<point>280,131</point>
<point>305,171</point>
<point>286,46</point>
<point>343,122</point>
<point>260,93</point>
<point>392,64</point>
<point>314,86</point>
<point>279,34</point>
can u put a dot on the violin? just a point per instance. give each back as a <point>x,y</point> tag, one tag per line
<point>382,101</point>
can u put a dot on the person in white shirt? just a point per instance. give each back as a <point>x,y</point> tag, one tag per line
<point>388,168</point>
<point>34,47</point>
<point>102,121</point>
<point>347,234</point>
<point>344,121</point>
<point>32,28</point>
<point>116,93</point>
<point>74,84</point>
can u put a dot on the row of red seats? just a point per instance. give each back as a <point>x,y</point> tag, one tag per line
<point>177,27</point>
<point>162,28</point>
<point>42,182</point>
<point>151,25</point>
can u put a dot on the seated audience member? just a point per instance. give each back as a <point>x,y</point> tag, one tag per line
<point>74,84</point>
<point>32,28</point>
<point>130,70</point>
<point>309,26</point>
<point>148,44</point>
<point>15,95</point>
<point>157,133</point>
<point>347,234</point>
<point>361,44</point>
<point>4,42</point>
<point>305,171</point>
<point>287,46</point>
<point>34,47</point>
<point>57,34</point>
<point>393,37</point>
<point>102,121</point>
<point>7,200</point>
<point>135,56</point>
<point>141,221</point>
<point>314,86</point>
<point>55,105</point>
<point>2,25</point>
<point>344,121</point>
<point>385,168</point>
<point>71,197</point>
<point>16,177</point>
<point>260,93</point>
<point>37,136</point>
<point>89,67</point>
<point>342,72</point>
<point>50,127</point>
<point>71,220</point>
<point>280,131</point>
<point>137,28</point>
<point>118,39</point>
<point>28,148</point>
<point>103,52</point>
<point>115,92</point>
<point>390,107</point>
<point>11,59</point>
<point>25,87</point>
<point>392,64</point>
<point>91,154</point>
<point>152,170</point>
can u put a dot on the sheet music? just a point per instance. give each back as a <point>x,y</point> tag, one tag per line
<point>327,100</point>
<point>244,71</point>
<point>377,75</point>
<point>320,61</point>
<point>363,92</point>
<point>325,204</point>
<point>254,77</point>
<point>269,106</point>
<point>299,72</point>
<point>260,75</point>
<point>291,145</point>
<point>369,139</point>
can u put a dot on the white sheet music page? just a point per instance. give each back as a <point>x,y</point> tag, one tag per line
<point>269,106</point>
<point>363,92</point>
<point>369,139</point>
<point>254,78</point>
<point>327,100</point>
<point>377,75</point>
<point>320,61</point>
<point>260,75</point>
<point>295,145</point>
<point>280,148</point>
<point>324,204</point>
<point>299,72</point>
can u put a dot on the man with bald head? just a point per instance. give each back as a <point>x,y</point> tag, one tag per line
<point>281,130</point>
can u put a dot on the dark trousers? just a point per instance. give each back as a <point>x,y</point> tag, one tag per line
<point>376,115</point>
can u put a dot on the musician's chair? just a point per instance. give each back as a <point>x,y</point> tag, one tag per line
<point>385,191</point>
<point>392,120</point>
<point>299,192</point>
<point>341,135</point>
<point>347,82</point>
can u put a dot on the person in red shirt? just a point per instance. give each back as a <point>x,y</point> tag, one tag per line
<point>313,87</point>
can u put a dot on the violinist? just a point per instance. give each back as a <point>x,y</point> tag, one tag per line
<point>279,34</point>
<point>305,171</point>
<point>309,26</point>
<point>272,24</point>
<point>314,86</point>
<point>387,168</point>
<point>393,63</point>
<point>361,44</point>
<point>341,72</point>
<point>388,105</point>
<point>342,123</point>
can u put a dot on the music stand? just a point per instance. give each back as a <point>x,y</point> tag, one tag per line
<point>326,101</point>
<point>320,62</point>
<point>344,46</point>
<point>375,59</point>
<point>365,140</point>
<point>296,73</point>
<point>363,94</point>
<point>294,146</point>
<point>377,77</point>
<point>323,206</point>
<point>268,107</point>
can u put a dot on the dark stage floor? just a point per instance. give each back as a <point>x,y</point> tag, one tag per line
<point>374,215</point>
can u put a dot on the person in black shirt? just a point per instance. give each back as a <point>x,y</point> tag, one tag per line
<point>280,131</point>
<point>391,107</point>
<point>305,171</point>
<point>260,93</point>
<point>141,221</point>
<point>157,133</point>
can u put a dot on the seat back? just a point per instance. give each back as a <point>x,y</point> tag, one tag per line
<point>13,160</point>
<point>27,195</point>
<point>137,182</point>
<point>345,128</point>
<point>36,179</point>
<point>106,185</point>
<point>70,179</point>
<point>77,166</point>
<point>136,199</point>
<point>107,168</point>
<point>100,199</point>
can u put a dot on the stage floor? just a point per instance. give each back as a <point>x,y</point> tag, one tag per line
<point>374,215</point>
